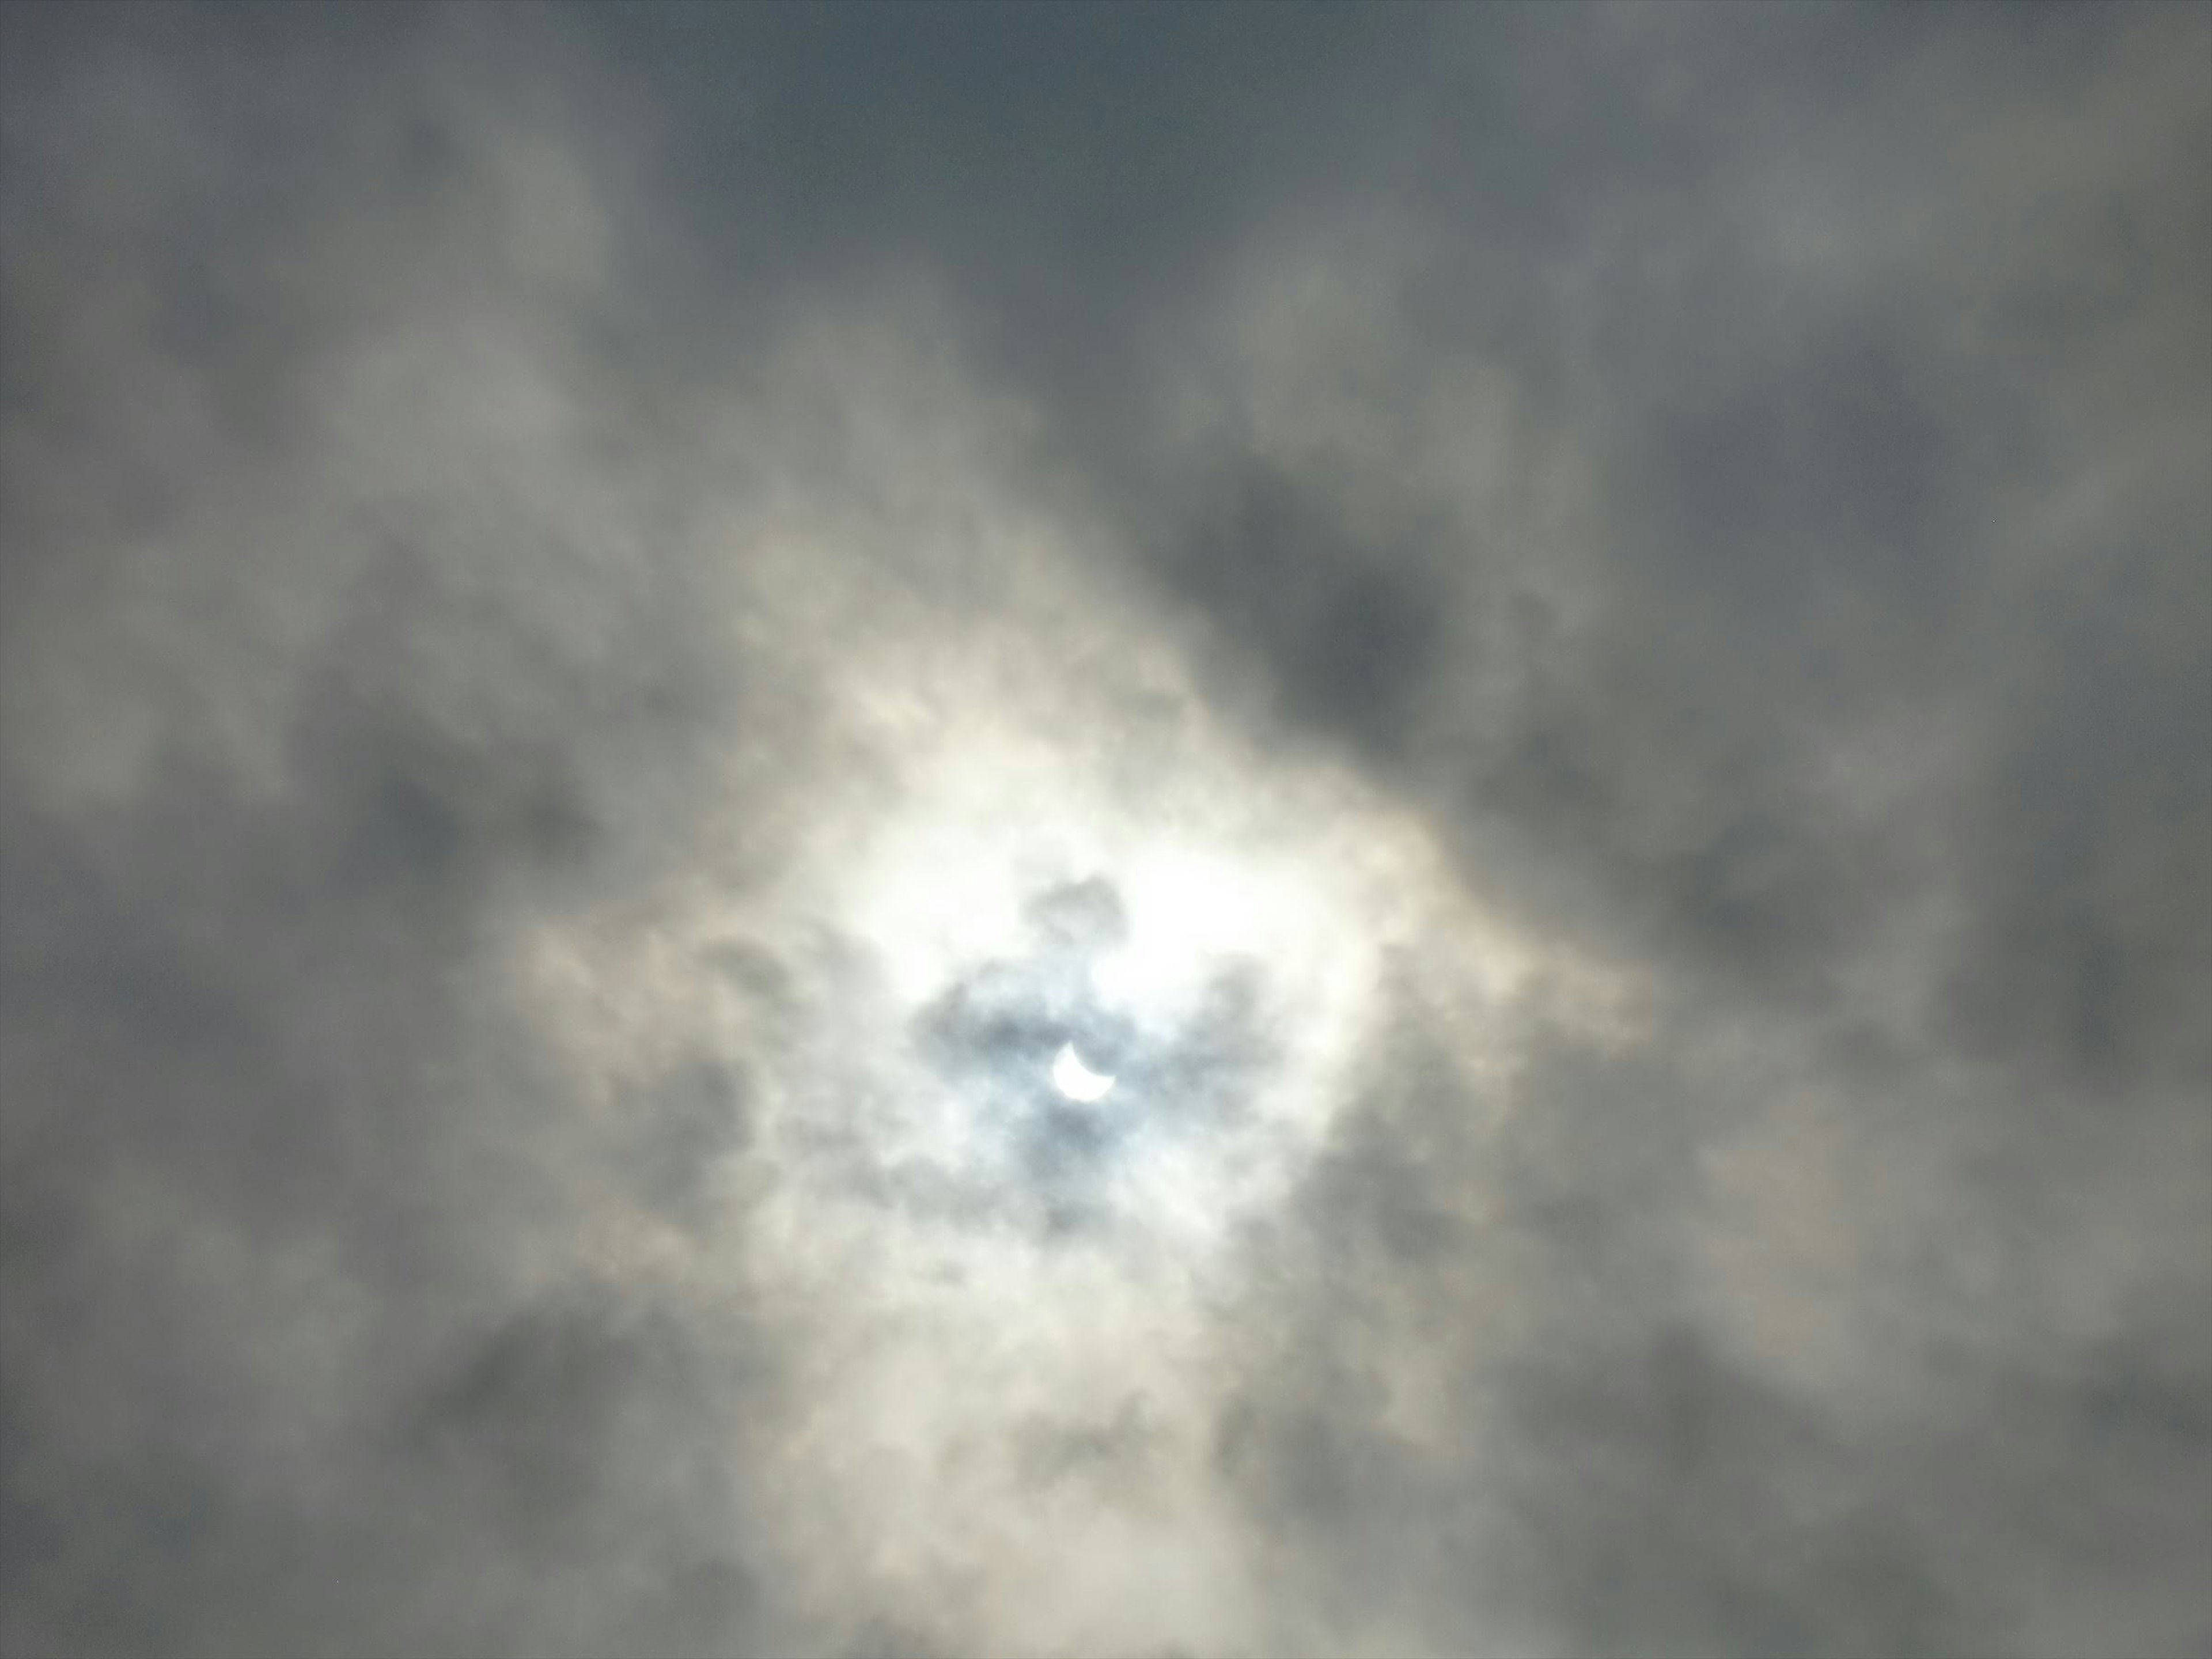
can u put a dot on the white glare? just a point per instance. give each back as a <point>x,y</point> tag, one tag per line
<point>1075,1079</point>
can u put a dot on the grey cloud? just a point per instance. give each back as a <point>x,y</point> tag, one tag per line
<point>1735,487</point>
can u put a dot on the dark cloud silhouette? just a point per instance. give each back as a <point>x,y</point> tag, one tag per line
<point>1576,648</point>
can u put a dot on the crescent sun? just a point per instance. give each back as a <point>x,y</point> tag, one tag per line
<point>1075,1079</point>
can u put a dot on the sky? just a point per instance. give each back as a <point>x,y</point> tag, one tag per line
<point>1106,831</point>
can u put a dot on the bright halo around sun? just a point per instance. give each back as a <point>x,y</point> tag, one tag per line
<point>1041,1029</point>
<point>1033,987</point>
<point>1043,1003</point>
<point>1119,990</point>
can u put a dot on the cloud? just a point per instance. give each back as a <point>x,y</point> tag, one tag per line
<point>1577,654</point>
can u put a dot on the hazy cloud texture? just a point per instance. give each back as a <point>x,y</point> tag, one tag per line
<point>1577,642</point>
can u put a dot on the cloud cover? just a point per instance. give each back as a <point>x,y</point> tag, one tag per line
<point>602,611</point>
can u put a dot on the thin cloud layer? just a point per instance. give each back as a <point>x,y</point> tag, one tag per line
<point>1575,649</point>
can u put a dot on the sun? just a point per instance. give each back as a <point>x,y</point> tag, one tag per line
<point>1075,1079</point>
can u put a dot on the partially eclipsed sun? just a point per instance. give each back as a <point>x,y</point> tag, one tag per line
<point>1075,1079</point>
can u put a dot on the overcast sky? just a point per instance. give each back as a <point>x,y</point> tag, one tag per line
<point>640,645</point>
